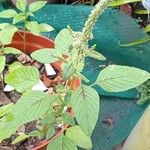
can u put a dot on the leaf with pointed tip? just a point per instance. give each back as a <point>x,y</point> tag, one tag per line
<point>8,13</point>
<point>85,103</point>
<point>45,27</point>
<point>95,54</point>
<point>20,138</point>
<point>6,109</point>
<point>31,106</point>
<point>14,66</point>
<point>63,41</point>
<point>21,5</point>
<point>76,134</point>
<point>68,71</point>
<point>7,38</point>
<point>33,7</point>
<point>46,55</point>
<point>11,50</point>
<point>18,18</point>
<point>33,27</point>
<point>23,78</point>
<point>115,78</point>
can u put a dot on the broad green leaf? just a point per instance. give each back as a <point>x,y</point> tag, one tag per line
<point>2,63</point>
<point>46,55</point>
<point>96,55</point>
<point>84,78</point>
<point>21,5</point>
<point>11,50</point>
<point>136,42</point>
<point>85,103</point>
<point>115,78</point>
<point>6,109</point>
<point>20,138</point>
<point>141,12</point>
<point>61,143</point>
<point>68,70</point>
<point>36,102</point>
<point>33,27</point>
<point>63,41</point>
<point>76,134</point>
<point>14,66</point>
<point>45,27</point>
<point>31,106</point>
<point>19,17</point>
<point>121,2</point>
<point>50,132</point>
<point>7,38</point>
<point>3,25</point>
<point>147,28</point>
<point>67,118</point>
<point>8,13</point>
<point>23,78</point>
<point>36,5</point>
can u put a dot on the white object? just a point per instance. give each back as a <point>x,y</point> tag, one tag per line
<point>8,88</point>
<point>49,70</point>
<point>39,87</point>
<point>146,4</point>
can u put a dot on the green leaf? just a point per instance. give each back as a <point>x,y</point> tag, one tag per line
<point>141,12</point>
<point>136,42</point>
<point>63,41</point>
<point>115,78</point>
<point>50,132</point>
<point>14,66</point>
<point>121,2</point>
<point>3,25</point>
<point>8,13</point>
<point>11,50</point>
<point>46,55</point>
<point>37,5</point>
<point>36,102</point>
<point>20,138</point>
<point>21,5</point>
<point>18,18</point>
<point>7,38</point>
<point>45,27</point>
<point>2,63</point>
<point>147,28</point>
<point>67,118</point>
<point>85,103</point>
<point>6,109</point>
<point>33,27</point>
<point>62,143</point>
<point>76,134</point>
<point>23,78</point>
<point>84,78</point>
<point>31,106</point>
<point>68,71</point>
<point>94,54</point>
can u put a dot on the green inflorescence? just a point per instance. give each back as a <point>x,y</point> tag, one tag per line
<point>144,91</point>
